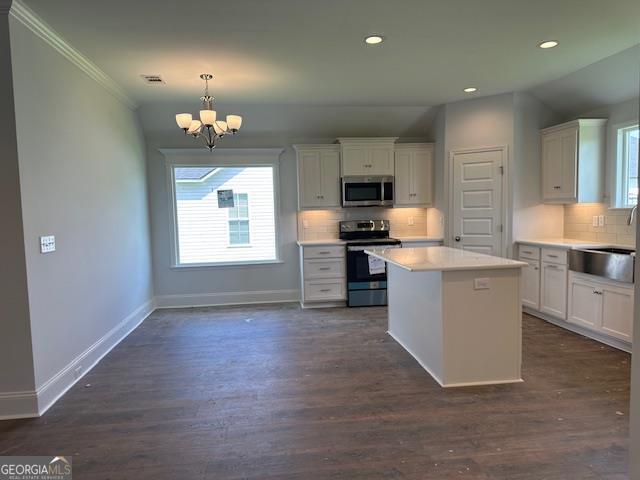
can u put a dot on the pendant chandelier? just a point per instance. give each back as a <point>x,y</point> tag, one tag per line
<point>208,127</point>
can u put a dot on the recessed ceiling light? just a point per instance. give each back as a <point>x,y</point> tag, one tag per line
<point>548,44</point>
<point>374,39</point>
<point>470,90</point>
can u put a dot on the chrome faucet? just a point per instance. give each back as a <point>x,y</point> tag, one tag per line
<point>632,214</point>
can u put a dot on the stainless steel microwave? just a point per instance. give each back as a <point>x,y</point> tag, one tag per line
<point>367,191</point>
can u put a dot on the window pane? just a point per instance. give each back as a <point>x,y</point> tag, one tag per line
<point>205,232</point>
<point>630,152</point>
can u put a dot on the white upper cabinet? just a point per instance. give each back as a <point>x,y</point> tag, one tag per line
<point>318,176</point>
<point>573,161</point>
<point>367,156</point>
<point>413,174</point>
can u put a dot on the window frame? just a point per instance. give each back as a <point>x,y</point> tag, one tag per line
<point>223,158</point>
<point>239,219</point>
<point>621,166</point>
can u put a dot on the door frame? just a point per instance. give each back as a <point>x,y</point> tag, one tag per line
<point>506,206</point>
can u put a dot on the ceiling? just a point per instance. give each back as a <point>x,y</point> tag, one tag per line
<point>295,52</point>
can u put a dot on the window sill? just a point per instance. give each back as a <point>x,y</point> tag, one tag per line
<point>188,266</point>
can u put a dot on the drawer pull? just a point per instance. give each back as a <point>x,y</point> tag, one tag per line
<point>324,290</point>
<point>324,268</point>
<point>552,256</point>
<point>324,253</point>
<point>529,252</point>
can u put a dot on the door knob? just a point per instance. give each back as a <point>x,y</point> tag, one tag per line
<point>457,238</point>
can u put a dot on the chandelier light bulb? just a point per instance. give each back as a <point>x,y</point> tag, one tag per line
<point>208,117</point>
<point>220,127</point>
<point>184,120</point>
<point>195,127</point>
<point>234,122</point>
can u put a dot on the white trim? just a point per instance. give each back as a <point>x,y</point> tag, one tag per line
<point>18,405</point>
<point>585,332</point>
<point>227,298</point>
<point>61,382</point>
<point>219,152</point>
<point>40,28</point>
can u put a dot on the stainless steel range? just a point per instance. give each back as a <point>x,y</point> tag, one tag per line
<point>366,279</point>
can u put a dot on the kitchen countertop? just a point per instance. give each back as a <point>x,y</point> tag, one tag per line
<point>568,243</point>
<point>337,241</point>
<point>427,259</point>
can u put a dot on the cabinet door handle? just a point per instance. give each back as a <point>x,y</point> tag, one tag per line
<point>557,187</point>
<point>597,292</point>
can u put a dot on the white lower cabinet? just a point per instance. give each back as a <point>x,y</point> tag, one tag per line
<point>600,306</point>
<point>323,275</point>
<point>531,284</point>
<point>553,295</point>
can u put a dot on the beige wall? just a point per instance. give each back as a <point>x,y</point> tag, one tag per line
<point>578,224</point>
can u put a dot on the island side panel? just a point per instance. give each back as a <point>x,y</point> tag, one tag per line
<point>482,328</point>
<point>415,315</point>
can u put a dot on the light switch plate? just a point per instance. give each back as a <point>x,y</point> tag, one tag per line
<point>47,244</point>
<point>595,221</point>
<point>601,220</point>
<point>481,283</point>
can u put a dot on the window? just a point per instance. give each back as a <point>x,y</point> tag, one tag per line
<point>207,233</point>
<point>239,220</point>
<point>627,160</point>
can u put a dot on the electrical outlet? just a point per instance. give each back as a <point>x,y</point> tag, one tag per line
<point>594,221</point>
<point>47,244</point>
<point>601,220</point>
<point>410,221</point>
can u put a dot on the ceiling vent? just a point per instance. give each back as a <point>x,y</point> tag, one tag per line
<point>153,79</point>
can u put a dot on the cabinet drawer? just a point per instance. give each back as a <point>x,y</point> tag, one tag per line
<point>531,253</point>
<point>553,255</point>
<point>329,251</point>
<point>331,289</point>
<point>323,268</point>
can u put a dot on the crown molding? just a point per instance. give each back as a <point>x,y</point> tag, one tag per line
<point>33,22</point>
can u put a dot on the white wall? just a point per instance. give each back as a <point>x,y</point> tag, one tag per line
<point>16,363</point>
<point>531,218</point>
<point>82,176</point>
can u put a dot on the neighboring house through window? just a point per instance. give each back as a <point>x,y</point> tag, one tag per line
<point>208,235</point>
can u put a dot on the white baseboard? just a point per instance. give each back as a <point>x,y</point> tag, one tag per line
<point>227,298</point>
<point>56,386</point>
<point>585,332</point>
<point>18,405</point>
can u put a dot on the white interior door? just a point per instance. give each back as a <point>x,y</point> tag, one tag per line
<point>477,200</point>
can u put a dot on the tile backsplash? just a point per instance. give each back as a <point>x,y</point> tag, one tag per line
<point>578,224</point>
<point>323,224</point>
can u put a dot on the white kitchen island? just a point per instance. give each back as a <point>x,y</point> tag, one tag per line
<point>457,312</point>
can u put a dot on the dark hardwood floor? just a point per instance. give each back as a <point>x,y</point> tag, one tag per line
<point>276,392</point>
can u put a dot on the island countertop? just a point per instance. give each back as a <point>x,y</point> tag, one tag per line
<point>425,259</point>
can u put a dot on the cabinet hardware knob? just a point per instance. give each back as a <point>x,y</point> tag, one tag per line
<point>457,238</point>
